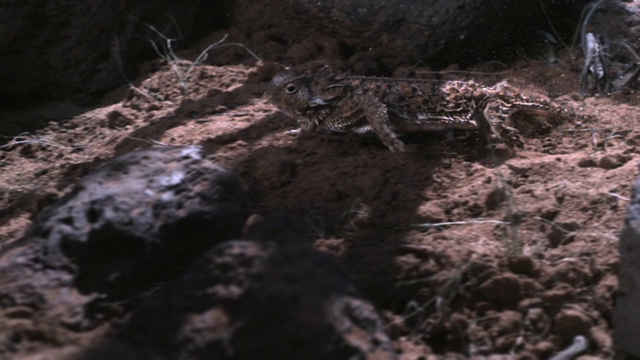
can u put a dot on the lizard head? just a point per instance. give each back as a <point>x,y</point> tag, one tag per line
<point>291,93</point>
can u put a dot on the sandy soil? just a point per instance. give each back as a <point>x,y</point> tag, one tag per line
<point>464,252</point>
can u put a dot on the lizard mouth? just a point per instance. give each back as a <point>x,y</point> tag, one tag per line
<point>317,102</point>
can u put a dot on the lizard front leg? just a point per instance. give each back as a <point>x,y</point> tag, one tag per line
<point>376,114</point>
<point>306,127</point>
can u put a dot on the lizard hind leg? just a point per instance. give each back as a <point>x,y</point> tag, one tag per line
<point>493,121</point>
<point>378,118</point>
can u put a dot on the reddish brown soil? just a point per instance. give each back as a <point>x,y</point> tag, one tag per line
<point>464,251</point>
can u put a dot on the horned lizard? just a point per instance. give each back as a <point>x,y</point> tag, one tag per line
<point>388,106</point>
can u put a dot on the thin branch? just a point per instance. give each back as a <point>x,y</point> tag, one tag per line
<point>428,225</point>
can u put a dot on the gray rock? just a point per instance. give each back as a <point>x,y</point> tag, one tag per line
<point>626,316</point>
<point>142,217</point>
<point>123,230</point>
<point>139,220</point>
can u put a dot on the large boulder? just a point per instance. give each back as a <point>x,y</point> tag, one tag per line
<point>137,222</point>
<point>141,218</point>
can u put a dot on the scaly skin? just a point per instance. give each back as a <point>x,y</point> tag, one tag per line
<point>388,106</point>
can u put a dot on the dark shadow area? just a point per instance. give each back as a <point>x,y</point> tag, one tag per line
<point>35,115</point>
<point>274,277</point>
<point>80,61</point>
<point>549,27</point>
<point>350,186</point>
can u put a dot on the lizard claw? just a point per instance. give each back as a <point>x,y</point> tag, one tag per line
<point>396,146</point>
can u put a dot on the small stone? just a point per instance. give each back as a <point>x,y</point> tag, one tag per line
<point>543,349</point>
<point>569,273</point>
<point>152,107</point>
<point>562,233</point>
<point>116,119</point>
<point>509,323</point>
<point>609,162</point>
<point>522,264</point>
<point>586,162</point>
<point>529,303</point>
<point>571,322</point>
<point>612,161</point>
<point>506,342</point>
<point>559,294</point>
<point>503,289</point>
<point>189,108</point>
<point>483,307</point>
<point>495,197</point>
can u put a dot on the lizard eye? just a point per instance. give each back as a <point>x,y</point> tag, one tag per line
<point>291,89</point>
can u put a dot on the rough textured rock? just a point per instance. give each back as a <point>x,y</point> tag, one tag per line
<point>54,49</point>
<point>139,220</point>
<point>392,32</point>
<point>626,318</point>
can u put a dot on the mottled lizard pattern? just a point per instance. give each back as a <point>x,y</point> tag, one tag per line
<point>388,106</point>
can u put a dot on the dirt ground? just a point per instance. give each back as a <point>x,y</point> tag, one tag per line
<point>465,252</point>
